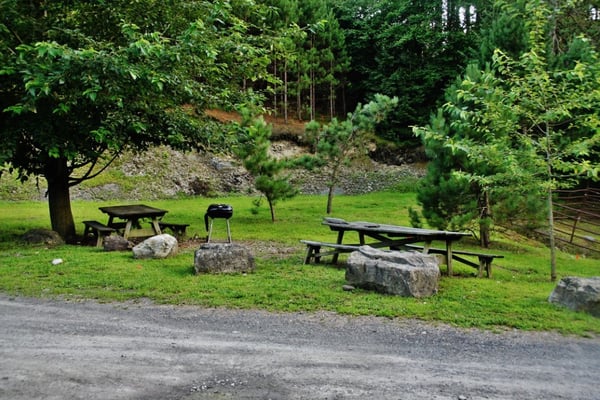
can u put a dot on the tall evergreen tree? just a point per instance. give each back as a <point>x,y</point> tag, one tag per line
<point>409,49</point>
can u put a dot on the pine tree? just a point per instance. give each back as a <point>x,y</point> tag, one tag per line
<point>253,149</point>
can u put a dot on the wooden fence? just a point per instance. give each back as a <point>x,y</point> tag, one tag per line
<point>577,220</point>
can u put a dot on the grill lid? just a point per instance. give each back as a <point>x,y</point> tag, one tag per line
<point>218,211</point>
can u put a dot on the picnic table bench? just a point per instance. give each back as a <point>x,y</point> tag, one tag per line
<point>485,259</point>
<point>314,249</point>
<point>97,231</point>
<point>177,229</point>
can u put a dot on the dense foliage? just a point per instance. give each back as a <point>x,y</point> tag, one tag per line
<point>408,49</point>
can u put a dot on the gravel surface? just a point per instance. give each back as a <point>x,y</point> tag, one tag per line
<point>51,349</point>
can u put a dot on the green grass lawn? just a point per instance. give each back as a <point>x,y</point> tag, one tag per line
<point>516,296</point>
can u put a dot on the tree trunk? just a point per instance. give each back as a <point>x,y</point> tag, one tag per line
<point>484,220</point>
<point>275,87</point>
<point>551,236</point>
<point>331,93</point>
<point>285,91</point>
<point>550,205</point>
<point>299,97</point>
<point>333,181</point>
<point>59,199</point>
<point>272,209</point>
<point>312,95</point>
<point>330,199</point>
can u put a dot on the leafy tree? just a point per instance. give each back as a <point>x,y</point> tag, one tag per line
<point>253,149</point>
<point>74,95</point>
<point>340,142</point>
<point>526,123</point>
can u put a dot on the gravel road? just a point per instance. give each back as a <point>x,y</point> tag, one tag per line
<point>52,349</point>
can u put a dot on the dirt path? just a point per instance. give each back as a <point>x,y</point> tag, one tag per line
<point>84,350</point>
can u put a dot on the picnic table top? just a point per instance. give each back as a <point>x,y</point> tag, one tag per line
<point>337,224</point>
<point>133,211</point>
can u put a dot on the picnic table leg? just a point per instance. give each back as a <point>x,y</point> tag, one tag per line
<point>485,262</point>
<point>426,247</point>
<point>155,226</point>
<point>340,238</point>
<point>361,238</point>
<point>127,228</point>
<point>317,256</point>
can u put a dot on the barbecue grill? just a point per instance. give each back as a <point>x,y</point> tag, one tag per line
<point>223,211</point>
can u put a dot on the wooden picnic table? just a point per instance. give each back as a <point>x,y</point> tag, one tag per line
<point>393,237</point>
<point>131,215</point>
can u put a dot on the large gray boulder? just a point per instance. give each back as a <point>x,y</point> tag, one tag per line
<point>578,294</point>
<point>403,273</point>
<point>159,246</point>
<point>223,258</point>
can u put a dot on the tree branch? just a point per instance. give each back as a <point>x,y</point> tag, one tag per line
<point>73,181</point>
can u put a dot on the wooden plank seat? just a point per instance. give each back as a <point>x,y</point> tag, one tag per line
<point>118,225</point>
<point>97,231</point>
<point>314,249</point>
<point>177,229</point>
<point>485,259</point>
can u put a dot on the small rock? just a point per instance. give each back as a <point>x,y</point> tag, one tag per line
<point>57,261</point>
<point>348,288</point>
<point>116,243</point>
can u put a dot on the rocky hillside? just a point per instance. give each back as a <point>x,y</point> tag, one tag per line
<point>164,173</point>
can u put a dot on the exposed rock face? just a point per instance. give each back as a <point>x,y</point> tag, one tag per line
<point>578,294</point>
<point>159,246</point>
<point>223,258</point>
<point>403,273</point>
<point>42,236</point>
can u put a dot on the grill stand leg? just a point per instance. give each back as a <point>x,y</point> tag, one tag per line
<point>210,226</point>
<point>209,230</point>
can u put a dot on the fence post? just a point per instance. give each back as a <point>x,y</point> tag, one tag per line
<point>574,227</point>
